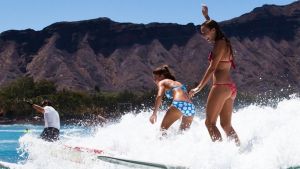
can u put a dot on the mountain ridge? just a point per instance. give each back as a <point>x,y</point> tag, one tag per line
<point>112,56</point>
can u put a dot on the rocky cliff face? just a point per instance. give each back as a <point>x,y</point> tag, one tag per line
<point>267,43</point>
<point>117,56</point>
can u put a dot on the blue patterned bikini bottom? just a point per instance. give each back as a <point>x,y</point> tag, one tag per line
<point>186,108</point>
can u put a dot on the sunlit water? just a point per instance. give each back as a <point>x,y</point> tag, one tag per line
<point>10,134</point>
<point>269,135</point>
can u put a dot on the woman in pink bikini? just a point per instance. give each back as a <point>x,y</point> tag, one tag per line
<point>223,92</point>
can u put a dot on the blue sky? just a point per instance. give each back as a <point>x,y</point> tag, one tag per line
<point>37,14</point>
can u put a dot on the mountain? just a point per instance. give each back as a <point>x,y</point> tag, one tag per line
<point>267,41</point>
<point>112,56</point>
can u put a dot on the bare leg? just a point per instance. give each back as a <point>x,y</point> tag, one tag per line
<point>215,102</point>
<point>186,122</point>
<point>225,117</point>
<point>171,116</point>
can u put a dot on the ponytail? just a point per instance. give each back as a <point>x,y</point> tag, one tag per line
<point>164,70</point>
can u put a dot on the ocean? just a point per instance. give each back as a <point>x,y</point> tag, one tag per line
<point>269,140</point>
<point>9,136</point>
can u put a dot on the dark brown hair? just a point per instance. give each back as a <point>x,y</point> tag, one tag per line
<point>164,70</point>
<point>46,103</point>
<point>210,24</point>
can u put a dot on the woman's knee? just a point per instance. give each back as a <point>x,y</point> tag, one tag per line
<point>185,125</point>
<point>164,126</point>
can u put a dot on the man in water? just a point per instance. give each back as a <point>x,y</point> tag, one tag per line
<point>51,118</point>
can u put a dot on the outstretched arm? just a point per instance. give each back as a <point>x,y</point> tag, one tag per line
<point>205,12</point>
<point>218,52</point>
<point>38,108</point>
<point>158,100</point>
<point>35,106</point>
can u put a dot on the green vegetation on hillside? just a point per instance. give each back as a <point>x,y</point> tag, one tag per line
<point>111,105</point>
<point>70,104</point>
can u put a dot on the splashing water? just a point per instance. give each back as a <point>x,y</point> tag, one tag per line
<point>270,139</point>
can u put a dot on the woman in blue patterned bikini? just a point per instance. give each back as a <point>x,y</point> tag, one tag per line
<point>181,105</point>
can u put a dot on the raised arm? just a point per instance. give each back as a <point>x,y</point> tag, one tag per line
<point>35,106</point>
<point>205,12</point>
<point>38,108</point>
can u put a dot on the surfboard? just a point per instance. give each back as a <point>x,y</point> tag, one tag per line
<point>77,154</point>
<point>3,166</point>
<point>296,167</point>
<point>85,149</point>
<point>122,161</point>
<point>7,165</point>
<point>137,164</point>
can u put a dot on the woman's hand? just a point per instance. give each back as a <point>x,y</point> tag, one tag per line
<point>193,92</point>
<point>153,118</point>
<point>205,12</point>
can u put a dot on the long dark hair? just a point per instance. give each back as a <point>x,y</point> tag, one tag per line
<point>164,70</point>
<point>210,24</point>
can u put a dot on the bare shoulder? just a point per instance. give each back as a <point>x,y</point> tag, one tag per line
<point>167,82</point>
<point>220,43</point>
<point>220,46</point>
<point>162,82</point>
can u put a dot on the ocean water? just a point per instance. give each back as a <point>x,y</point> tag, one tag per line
<point>269,135</point>
<point>9,136</point>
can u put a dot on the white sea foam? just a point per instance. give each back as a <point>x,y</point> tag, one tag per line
<point>270,139</point>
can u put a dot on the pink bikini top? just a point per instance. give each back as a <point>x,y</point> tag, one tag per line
<point>210,58</point>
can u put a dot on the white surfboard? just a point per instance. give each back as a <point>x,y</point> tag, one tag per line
<point>137,163</point>
<point>8,165</point>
